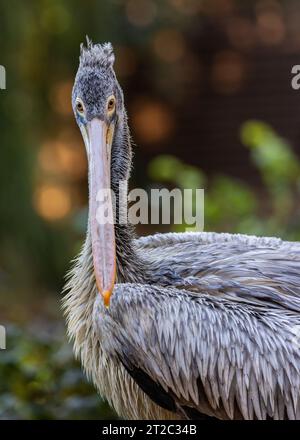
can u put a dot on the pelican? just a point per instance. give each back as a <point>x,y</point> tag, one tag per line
<point>176,325</point>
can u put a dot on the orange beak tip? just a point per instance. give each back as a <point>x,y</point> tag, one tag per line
<point>106,297</point>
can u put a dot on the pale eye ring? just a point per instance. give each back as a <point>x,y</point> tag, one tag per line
<point>111,104</point>
<point>80,106</point>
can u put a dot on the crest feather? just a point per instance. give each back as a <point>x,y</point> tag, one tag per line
<point>96,55</point>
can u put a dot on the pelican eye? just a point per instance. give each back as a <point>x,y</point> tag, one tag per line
<point>79,106</point>
<point>111,104</point>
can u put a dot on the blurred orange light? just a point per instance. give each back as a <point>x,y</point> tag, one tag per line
<point>140,12</point>
<point>153,121</point>
<point>72,160</point>
<point>60,97</point>
<point>52,202</point>
<point>228,72</point>
<point>271,28</point>
<point>169,45</point>
<point>62,157</point>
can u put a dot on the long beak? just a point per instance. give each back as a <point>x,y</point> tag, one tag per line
<point>99,139</point>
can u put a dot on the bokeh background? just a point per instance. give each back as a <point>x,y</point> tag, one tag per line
<point>208,92</point>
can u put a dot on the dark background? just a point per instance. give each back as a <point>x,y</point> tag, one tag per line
<point>208,91</point>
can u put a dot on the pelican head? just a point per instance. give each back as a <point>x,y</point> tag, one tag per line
<point>97,101</point>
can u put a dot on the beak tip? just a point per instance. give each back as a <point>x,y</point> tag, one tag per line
<point>106,297</point>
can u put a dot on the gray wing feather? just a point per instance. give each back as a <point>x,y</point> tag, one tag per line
<point>218,357</point>
<point>237,267</point>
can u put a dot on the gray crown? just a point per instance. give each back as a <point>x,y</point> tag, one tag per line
<point>96,55</point>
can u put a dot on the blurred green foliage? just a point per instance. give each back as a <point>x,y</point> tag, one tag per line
<point>232,205</point>
<point>39,378</point>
